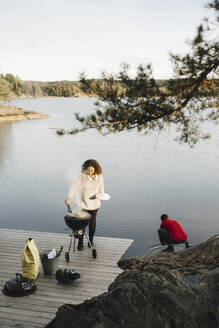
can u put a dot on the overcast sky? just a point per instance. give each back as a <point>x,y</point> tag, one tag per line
<point>50,40</point>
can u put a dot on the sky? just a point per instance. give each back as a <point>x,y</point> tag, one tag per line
<point>52,40</point>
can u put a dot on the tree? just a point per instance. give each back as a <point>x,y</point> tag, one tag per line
<point>5,92</point>
<point>15,84</point>
<point>144,104</point>
<point>12,80</point>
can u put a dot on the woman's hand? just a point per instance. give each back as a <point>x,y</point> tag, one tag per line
<point>68,201</point>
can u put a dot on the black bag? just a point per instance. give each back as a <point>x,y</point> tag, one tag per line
<point>66,276</point>
<point>19,286</point>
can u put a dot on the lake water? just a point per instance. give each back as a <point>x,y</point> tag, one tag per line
<point>145,176</point>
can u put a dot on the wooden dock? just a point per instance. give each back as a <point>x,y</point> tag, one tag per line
<point>38,309</point>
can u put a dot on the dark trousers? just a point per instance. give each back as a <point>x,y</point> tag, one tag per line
<point>165,238</point>
<point>92,223</point>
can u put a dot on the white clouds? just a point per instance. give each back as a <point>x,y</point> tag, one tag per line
<point>53,40</point>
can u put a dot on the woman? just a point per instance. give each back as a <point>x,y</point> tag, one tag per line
<point>89,183</point>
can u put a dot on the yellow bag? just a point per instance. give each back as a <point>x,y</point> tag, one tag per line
<point>30,260</point>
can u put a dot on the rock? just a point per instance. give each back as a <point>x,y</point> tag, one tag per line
<point>188,261</point>
<point>155,292</point>
<point>8,113</point>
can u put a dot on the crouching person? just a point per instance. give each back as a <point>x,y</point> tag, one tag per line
<point>171,233</point>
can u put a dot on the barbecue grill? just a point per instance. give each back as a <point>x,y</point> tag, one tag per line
<point>78,223</point>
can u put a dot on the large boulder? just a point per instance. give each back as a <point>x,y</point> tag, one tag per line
<point>189,261</point>
<point>155,291</point>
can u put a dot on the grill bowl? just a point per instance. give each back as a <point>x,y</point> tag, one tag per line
<point>77,221</point>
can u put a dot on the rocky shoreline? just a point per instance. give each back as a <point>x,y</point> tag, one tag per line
<point>13,113</point>
<point>165,290</point>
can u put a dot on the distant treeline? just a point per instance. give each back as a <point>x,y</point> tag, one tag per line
<point>13,86</point>
<point>16,87</point>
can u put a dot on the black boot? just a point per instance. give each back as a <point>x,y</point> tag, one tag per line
<point>80,244</point>
<point>169,249</point>
<point>187,243</point>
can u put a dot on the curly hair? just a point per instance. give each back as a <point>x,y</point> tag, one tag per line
<point>94,164</point>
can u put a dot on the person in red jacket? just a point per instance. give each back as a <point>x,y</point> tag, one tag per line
<point>171,233</point>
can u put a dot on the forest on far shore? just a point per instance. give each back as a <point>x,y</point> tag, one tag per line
<point>12,86</point>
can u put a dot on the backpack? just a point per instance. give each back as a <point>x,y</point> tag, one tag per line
<point>30,260</point>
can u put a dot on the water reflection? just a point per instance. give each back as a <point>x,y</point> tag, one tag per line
<point>6,142</point>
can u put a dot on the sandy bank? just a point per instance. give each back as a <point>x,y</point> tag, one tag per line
<point>12,113</point>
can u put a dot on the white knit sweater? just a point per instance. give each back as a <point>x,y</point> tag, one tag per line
<point>87,186</point>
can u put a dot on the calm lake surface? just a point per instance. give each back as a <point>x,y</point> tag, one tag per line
<point>145,176</point>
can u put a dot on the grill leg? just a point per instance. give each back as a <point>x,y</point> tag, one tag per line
<point>88,239</point>
<point>70,243</point>
<point>74,245</point>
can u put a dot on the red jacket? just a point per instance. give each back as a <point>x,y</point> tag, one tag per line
<point>175,230</point>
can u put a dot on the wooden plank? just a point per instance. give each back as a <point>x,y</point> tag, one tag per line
<point>40,307</point>
<point>51,236</point>
<point>20,312</point>
<point>18,324</point>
